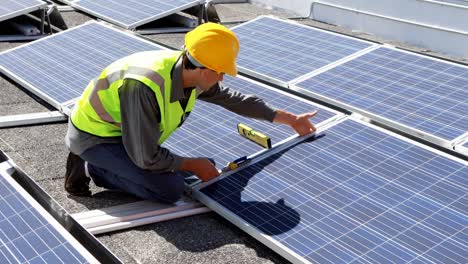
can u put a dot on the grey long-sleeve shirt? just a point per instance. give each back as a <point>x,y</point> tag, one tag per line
<point>140,112</point>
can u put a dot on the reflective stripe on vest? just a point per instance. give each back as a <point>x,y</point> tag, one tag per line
<point>98,110</point>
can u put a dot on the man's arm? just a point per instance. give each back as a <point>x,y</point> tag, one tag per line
<point>254,107</point>
<point>140,134</point>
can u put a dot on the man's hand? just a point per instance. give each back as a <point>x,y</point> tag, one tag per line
<point>202,167</point>
<point>300,123</point>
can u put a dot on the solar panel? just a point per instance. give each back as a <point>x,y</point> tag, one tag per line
<point>28,234</point>
<point>280,50</point>
<point>13,8</point>
<point>132,13</point>
<point>58,68</point>
<point>354,194</point>
<point>211,131</point>
<point>398,87</point>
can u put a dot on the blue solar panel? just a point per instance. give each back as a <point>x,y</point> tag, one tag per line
<point>354,194</point>
<point>284,51</point>
<point>132,13</point>
<point>59,68</point>
<point>422,93</point>
<point>28,234</point>
<point>211,131</point>
<point>13,8</point>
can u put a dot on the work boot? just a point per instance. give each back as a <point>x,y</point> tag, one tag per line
<point>76,181</point>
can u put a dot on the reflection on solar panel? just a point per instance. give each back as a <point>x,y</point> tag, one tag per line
<point>282,51</point>
<point>211,131</point>
<point>13,8</point>
<point>132,13</point>
<point>59,67</point>
<point>354,194</point>
<point>28,234</point>
<point>421,93</point>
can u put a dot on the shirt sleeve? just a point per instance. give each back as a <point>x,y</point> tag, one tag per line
<point>140,128</point>
<point>247,105</point>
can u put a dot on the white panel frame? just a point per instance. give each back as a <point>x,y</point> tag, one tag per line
<point>31,119</point>
<point>130,215</point>
<point>461,145</point>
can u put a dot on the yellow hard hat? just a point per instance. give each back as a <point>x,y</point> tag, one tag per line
<point>213,46</point>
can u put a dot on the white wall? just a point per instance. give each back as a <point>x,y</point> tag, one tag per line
<point>299,7</point>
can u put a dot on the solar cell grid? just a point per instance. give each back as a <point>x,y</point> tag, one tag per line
<point>211,131</point>
<point>29,235</point>
<point>354,194</point>
<point>421,93</point>
<point>13,8</point>
<point>59,67</point>
<point>132,13</point>
<point>283,51</point>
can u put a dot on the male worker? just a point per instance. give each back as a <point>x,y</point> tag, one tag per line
<point>123,116</point>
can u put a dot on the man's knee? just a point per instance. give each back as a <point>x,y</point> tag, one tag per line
<point>171,192</point>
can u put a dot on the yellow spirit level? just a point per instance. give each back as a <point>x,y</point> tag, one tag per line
<point>253,135</point>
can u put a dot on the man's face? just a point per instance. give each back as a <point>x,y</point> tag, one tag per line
<point>208,78</point>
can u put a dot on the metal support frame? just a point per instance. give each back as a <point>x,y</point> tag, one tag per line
<point>55,20</point>
<point>135,214</point>
<point>43,15</point>
<point>209,12</point>
<point>31,119</point>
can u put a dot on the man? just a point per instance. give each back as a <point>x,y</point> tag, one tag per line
<point>123,117</point>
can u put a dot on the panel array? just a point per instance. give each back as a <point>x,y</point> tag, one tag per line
<point>211,131</point>
<point>419,92</point>
<point>132,13</point>
<point>355,194</point>
<point>59,68</point>
<point>28,234</point>
<point>282,50</point>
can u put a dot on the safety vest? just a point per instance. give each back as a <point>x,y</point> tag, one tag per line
<point>98,109</point>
